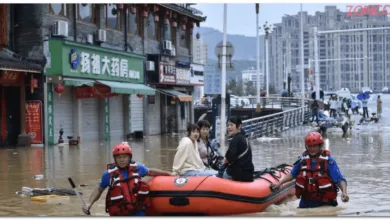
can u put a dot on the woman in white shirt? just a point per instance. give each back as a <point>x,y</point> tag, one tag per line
<point>187,161</point>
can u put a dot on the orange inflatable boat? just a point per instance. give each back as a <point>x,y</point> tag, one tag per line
<point>210,195</point>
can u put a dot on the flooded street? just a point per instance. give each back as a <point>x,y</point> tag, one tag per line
<point>363,157</point>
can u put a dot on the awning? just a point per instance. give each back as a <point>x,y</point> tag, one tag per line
<point>128,88</point>
<point>183,64</point>
<point>78,82</point>
<point>181,96</point>
<point>9,61</point>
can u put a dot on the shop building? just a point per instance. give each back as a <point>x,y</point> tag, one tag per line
<point>20,90</point>
<point>94,93</point>
<point>145,32</point>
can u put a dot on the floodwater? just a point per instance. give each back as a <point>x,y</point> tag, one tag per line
<point>362,157</point>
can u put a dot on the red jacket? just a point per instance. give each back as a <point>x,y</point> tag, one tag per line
<point>126,196</point>
<point>315,184</point>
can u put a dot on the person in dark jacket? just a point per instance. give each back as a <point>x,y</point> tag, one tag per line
<point>238,158</point>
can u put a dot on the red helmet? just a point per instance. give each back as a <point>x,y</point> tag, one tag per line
<point>122,148</point>
<point>313,138</point>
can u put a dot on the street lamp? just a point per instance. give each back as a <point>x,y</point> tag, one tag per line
<point>285,70</point>
<point>267,31</point>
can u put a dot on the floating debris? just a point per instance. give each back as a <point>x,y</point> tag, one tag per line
<point>38,177</point>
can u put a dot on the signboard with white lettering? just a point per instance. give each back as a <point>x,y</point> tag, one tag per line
<point>170,74</point>
<point>197,78</point>
<point>212,82</point>
<point>182,76</point>
<point>167,74</point>
<point>87,61</point>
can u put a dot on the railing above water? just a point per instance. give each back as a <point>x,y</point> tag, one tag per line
<point>269,102</point>
<point>275,123</point>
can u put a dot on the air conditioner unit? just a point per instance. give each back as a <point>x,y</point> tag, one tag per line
<point>90,38</point>
<point>101,35</point>
<point>173,52</point>
<point>60,28</point>
<point>167,45</point>
<point>149,66</point>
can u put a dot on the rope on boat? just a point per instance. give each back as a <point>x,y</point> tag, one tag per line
<point>272,171</point>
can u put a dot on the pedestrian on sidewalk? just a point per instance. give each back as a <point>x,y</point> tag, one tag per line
<point>379,106</point>
<point>365,107</point>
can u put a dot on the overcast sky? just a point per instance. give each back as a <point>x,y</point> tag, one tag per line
<point>242,17</point>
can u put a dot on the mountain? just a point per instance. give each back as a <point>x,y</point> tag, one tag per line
<point>239,65</point>
<point>244,47</point>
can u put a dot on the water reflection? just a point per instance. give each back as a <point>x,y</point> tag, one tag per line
<point>362,157</point>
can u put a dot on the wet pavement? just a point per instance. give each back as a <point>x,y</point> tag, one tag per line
<point>362,157</point>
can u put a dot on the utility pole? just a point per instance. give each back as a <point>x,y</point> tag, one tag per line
<point>266,29</point>
<point>258,108</point>
<point>223,81</point>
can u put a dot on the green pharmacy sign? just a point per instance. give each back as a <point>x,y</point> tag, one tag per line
<point>86,61</point>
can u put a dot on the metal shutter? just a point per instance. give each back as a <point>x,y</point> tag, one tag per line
<point>63,113</point>
<point>117,132</point>
<point>90,119</point>
<point>137,114</point>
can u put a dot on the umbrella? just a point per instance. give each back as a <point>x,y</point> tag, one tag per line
<point>363,95</point>
<point>313,95</point>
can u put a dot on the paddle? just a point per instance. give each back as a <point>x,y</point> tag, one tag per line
<point>78,194</point>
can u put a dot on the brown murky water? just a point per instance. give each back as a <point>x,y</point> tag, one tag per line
<point>362,158</point>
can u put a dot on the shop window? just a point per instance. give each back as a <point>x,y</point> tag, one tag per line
<point>173,35</point>
<point>157,30</point>
<point>132,21</point>
<point>87,13</point>
<point>182,110</point>
<point>59,9</point>
<point>167,32</point>
<point>151,26</point>
<point>140,25</point>
<point>183,38</point>
<point>114,17</point>
<point>188,39</point>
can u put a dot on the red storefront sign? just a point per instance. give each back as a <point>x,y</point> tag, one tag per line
<point>34,121</point>
<point>98,91</point>
<point>11,77</point>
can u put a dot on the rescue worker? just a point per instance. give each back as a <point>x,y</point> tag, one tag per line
<point>127,193</point>
<point>317,176</point>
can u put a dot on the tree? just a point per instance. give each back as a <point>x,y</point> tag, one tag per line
<point>235,88</point>
<point>240,88</point>
<point>232,85</point>
<point>250,89</point>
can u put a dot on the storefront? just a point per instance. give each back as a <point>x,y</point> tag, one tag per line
<point>93,92</point>
<point>175,91</point>
<point>197,80</point>
<point>21,107</point>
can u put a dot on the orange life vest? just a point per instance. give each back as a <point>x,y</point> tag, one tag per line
<point>126,196</point>
<point>315,184</point>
